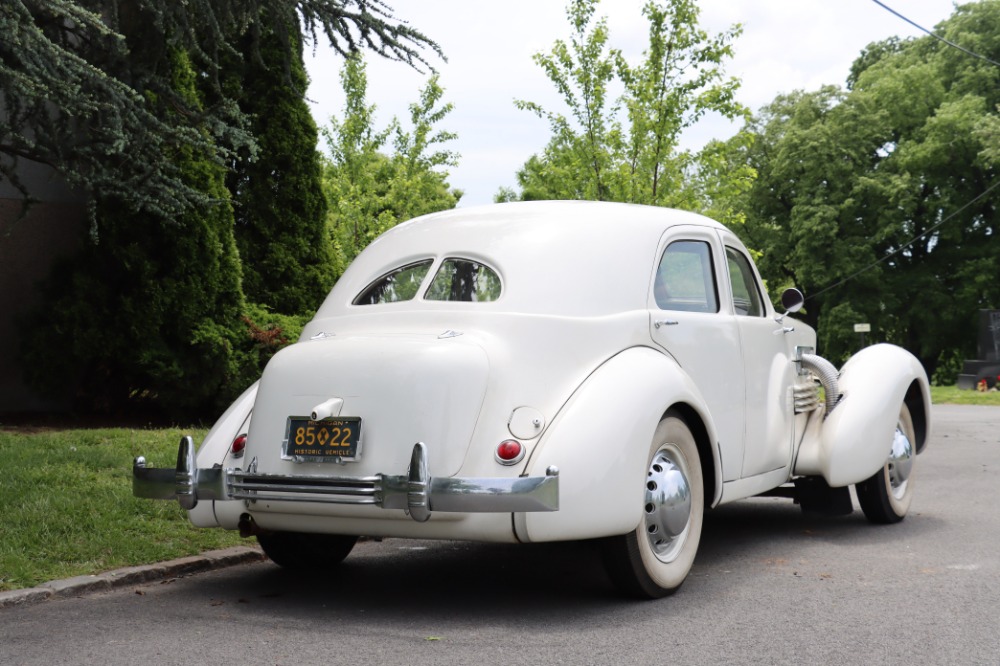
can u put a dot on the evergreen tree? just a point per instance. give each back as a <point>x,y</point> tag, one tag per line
<point>280,208</point>
<point>83,84</point>
<point>148,316</point>
<point>132,102</point>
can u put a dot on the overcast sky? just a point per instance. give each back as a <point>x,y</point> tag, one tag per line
<point>786,45</point>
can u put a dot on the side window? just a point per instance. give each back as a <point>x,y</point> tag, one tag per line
<point>464,280</point>
<point>746,296</point>
<point>398,285</point>
<point>685,279</point>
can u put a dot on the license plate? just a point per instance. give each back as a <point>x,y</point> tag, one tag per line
<point>330,440</point>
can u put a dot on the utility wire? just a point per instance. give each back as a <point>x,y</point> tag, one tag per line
<point>908,243</point>
<point>936,36</point>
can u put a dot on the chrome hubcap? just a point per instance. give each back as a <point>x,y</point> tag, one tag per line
<point>667,507</point>
<point>900,462</point>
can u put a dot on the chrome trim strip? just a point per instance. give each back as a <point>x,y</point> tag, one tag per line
<point>322,499</point>
<point>153,483</point>
<point>187,473</point>
<point>298,488</point>
<point>484,495</point>
<point>806,397</point>
<point>418,503</point>
<point>416,492</point>
<point>186,482</point>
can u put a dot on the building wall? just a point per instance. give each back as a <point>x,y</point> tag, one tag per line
<point>29,247</point>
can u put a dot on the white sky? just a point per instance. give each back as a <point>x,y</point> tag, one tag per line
<point>786,45</point>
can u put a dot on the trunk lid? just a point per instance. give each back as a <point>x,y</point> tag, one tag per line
<point>405,388</point>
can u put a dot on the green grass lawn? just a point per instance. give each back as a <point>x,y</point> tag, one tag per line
<point>949,395</point>
<point>67,505</point>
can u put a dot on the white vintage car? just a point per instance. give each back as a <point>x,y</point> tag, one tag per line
<point>550,371</point>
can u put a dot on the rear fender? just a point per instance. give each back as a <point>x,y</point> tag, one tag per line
<point>600,443</point>
<point>855,439</point>
<point>215,447</point>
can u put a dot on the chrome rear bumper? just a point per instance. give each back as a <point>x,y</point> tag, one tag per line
<point>415,492</point>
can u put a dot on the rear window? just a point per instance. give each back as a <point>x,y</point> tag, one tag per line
<point>456,280</point>
<point>464,280</point>
<point>401,284</point>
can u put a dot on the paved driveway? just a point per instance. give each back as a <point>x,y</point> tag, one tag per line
<point>770,586</point>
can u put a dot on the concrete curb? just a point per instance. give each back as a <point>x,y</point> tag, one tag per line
<point>119,578</point>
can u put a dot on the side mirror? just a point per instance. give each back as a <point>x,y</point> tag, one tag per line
<point>792,300</point>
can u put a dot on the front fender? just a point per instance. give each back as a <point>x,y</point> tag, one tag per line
<point>854,441</point>
<point>600,443</point>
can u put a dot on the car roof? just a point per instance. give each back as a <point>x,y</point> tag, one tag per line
<point>576,258</point>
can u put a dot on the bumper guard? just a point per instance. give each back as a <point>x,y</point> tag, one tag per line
<point>415,492</point>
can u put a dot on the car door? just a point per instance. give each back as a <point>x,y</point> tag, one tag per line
<point>688,320</point>
<point>768,372</point>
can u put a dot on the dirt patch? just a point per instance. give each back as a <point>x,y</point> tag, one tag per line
<point>27,429</point>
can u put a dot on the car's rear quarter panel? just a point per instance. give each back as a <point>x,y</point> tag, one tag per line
<point>601,444</point>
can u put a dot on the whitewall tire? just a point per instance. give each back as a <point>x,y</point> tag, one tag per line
<point>654,560</point>
<point>885,497</point>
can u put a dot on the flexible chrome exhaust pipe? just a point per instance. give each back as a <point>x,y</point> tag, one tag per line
<point>828,377</point>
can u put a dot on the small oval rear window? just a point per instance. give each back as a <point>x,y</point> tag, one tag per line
<point>464,280</point>
<point>401,284</point>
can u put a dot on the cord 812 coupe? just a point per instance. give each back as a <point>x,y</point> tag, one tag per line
<point>547,371</point>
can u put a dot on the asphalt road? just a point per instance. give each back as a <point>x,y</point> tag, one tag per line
<point>770,586</point>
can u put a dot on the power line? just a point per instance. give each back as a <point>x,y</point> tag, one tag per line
<point>908,243</point>
<point>936,36</point>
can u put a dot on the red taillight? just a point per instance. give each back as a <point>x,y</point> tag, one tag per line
<point>239,444</point>
<point>509,452</point>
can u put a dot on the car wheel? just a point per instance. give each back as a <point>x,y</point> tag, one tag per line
<point>298,550</point>
<point>885,497</point>
<point>654,560</point>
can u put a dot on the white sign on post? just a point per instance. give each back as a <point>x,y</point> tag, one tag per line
<point>862,328</point>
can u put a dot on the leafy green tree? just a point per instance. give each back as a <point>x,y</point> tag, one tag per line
<point>803,209</point>
<point>847,178</point>
<point>628,148</point>
<point>84,84</point>
<point>280,209</point>
<point>371,190</point>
